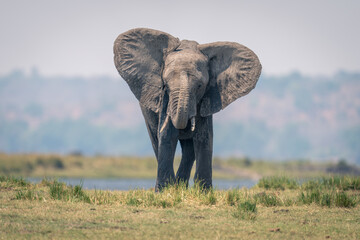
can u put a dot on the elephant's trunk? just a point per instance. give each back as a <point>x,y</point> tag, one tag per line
<point>179,103</point>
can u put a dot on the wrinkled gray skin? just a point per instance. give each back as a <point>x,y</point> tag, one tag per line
<point>179,85</point>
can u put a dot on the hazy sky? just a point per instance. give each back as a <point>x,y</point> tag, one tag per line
<point>76,37</point>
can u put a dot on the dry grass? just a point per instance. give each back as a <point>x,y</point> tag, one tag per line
<point>54,210</point>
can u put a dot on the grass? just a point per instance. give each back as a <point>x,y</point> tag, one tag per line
<point>328,199</point>
<point>246,210</point>
<point>327,193</point>
<point>52,209</point>
<point>334,182</point>
<point>329,182</point>
<point>280,183</point>
<point>14,181</point>
<point>60,191</point>
<point>78,166</point>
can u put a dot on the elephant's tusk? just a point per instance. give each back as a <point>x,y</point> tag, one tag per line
<point>192,124</point>
<point>165,123</point>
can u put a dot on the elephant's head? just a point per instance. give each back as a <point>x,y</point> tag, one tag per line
<point>210,76</point>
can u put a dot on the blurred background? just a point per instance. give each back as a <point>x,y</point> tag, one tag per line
<point>60,92</point>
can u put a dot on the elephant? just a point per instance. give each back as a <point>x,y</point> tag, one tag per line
<point>180,85</point>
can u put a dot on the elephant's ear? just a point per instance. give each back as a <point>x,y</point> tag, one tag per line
<point>233,72</point>
<point>138,56</point>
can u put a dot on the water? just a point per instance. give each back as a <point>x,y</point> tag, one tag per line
<point>126,184</point>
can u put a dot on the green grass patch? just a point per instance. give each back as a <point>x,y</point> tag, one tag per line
<point>342,199</point>
<point>233,196</point>
<point>246,210</point>
<point>146,198</point>
<point>328,198</point>
<point>329,182</point>
<point>267,199</point>
<point>60,191</point>
<point>333,182</point>
<point>280,183</point>
<point>211,197</point>
<point>29,194</point>
<point>11,181</point>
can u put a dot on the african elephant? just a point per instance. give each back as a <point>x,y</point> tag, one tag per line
<point>180,85</point>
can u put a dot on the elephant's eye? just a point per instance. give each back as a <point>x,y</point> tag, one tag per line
<point>199,86</point>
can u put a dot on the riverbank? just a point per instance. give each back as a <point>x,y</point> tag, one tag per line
<point>277,207</point>
<point>77,166</point>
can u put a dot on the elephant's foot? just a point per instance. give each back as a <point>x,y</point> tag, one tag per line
<point>204,184</point>
<point>183,175</point>
<point>160,185</point>
<point>182,181</point>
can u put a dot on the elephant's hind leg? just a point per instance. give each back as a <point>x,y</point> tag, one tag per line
<point>187,161</point>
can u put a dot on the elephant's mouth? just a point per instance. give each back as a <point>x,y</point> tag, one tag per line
<point>192,122</point>
<point>183,126</point>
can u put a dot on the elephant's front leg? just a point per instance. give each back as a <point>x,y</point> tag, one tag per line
<point>203,145</point>
<point>187,161</point>
<point>168,137</point>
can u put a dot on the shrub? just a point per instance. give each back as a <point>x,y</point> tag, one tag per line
<point>57,163</point>
<point>50,162</point>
